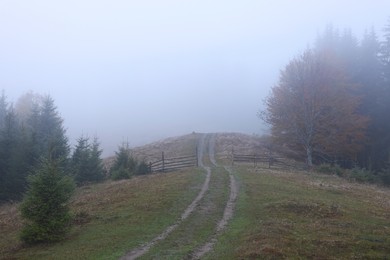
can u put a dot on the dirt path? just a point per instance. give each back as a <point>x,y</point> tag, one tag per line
<point>229,208</point>
<point>222,223</point>
<point>137,252</point>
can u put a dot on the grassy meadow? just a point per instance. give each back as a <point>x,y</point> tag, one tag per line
<point>279,214</point>
<point>109,218</point>
<point>297,215</point>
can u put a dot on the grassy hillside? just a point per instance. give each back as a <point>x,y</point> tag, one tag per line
<point>279,214</point>
<point>172,147</point>
<point>300,215</point>
<point>110,218</point>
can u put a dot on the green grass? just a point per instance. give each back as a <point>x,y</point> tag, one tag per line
<point>110,218</point>
<point>283,215</point>
<point>199,227</point>
<point>278,215</point>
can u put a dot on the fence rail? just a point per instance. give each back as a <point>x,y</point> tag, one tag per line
<point>263,160</point>
<point>175,163</point>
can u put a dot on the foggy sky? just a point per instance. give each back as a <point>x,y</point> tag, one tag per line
<point>139,71</point>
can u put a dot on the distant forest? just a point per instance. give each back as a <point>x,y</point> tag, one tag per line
<point>32,132</point>
<point>332,103</point>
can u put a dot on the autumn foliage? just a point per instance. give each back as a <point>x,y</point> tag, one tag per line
<point>313,109</point>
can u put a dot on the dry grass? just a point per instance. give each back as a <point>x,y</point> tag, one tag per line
<point>279,214</point>
<point>240,143</point>
<point>295,215</point>
<point>109,218</point>
<point>10,220</point>
<point>172,147</point>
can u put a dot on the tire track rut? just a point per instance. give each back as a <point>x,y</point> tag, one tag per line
<point>229,208</point>
<point>221,225</point>
<point>137,252</point>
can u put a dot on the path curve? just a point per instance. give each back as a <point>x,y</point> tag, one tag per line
<point>229,208</point>
<point>137,252</point>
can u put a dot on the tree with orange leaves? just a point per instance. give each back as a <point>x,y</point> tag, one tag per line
<point>313,109</point>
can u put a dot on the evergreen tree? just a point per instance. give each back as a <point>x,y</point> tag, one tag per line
<point>385,53</point>
<point>96,162</point>
<point>86,163</point>
<point>9,140</point>
<point>3,109</point>
<point>33,127</point>
<point>45,207</point>
<point>368,66</point>
<point>384,100</point>
<point>3,167</point>
<point>51,133</point>
<point>142,168</point>
<point>22,162</point>
<point>342,47</point>
<point>24,142</point>
<point>370,81</point>
<point>124,165</point>
<point>80,160</point>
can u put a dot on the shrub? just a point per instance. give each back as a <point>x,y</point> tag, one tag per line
<point>384,176</point>
<point>142,168</point>
<point>121,174</point>
<point>330,169</point>
<point>363,175</point>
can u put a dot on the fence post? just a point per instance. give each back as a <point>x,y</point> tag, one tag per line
<point>270,159</point>
<point>232,155</point>
<point>197,156</point>
<point>163,163</point>
<point>150,167</point>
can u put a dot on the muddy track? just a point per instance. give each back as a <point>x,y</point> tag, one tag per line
<point>137,252</point>
<point>229,208</point>
<point>221,224</point>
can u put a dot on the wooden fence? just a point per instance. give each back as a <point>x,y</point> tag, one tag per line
<point>170,164</point>
<point>263,161</point>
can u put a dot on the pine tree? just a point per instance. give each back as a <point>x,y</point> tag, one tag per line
<point>124,165</point>
<point>3,109</point>
<point>45,206</point>
<point>96,162</point>
<point>51,133</point>
<point>343,47</point>
<point>384,103</point>
<point>25,139</point>
<point>385,52</point>
<point>86,163</point>
<point>80,160</point>
<point>12,181</point>
<point>370,82</point>
<point>3,165</point>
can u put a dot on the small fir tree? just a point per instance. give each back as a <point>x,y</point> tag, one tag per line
<point>142,168</point>
<point>45,207</point>
<point>87,164</point>
<point>125,164</point>
<point>96,162</point>
<point>79,161</point>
